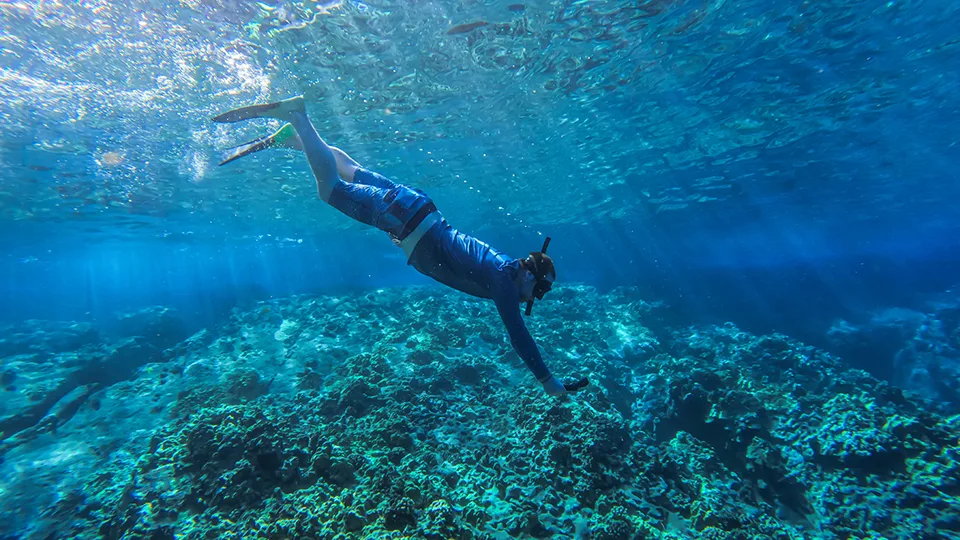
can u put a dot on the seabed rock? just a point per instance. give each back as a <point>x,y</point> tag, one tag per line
<point>405,414</point>
<point>916,350</point>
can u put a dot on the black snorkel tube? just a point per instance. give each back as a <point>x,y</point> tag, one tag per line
<point>546,244</point>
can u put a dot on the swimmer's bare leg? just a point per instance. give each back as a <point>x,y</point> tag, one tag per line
<point>286,137</point>
<point>321,157</point>
<point>322,160</point>
<point>346,165</point>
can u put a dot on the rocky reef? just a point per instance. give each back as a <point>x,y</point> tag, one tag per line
<point>917,348</point>
<point>404,413</point>
<point>50,369</point>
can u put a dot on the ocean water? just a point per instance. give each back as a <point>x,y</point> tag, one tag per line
<point>753,214</point>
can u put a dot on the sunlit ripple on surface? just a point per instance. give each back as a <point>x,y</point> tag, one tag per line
<point>639,110</point>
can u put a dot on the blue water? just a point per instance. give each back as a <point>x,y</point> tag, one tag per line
<point>779,165</point>
<point>810,144</point>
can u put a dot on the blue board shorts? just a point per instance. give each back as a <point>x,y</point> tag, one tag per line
<point>375,200</point>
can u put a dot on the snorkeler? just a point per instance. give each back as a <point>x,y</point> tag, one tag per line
<point>431,245</point>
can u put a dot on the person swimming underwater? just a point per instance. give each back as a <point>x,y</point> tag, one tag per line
<point>409,216</point>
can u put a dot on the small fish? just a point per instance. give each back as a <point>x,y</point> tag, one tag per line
<point>464,28</point>
<point>517,8</point>
<point>40,168</point>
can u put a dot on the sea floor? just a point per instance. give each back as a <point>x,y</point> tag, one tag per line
<point>405,413</point>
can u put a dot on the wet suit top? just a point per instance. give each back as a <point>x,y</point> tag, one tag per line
<point>469,265</point>
<point>455,259</point>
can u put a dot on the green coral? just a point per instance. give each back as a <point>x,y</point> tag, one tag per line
<point>685,432</point>
<point>856,431</point>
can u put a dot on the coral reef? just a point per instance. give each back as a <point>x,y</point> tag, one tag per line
<point>405,414</point>
<point>50,369</point>
<point>917,349</point>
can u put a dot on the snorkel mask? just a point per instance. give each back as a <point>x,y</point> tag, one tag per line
<point>544,273</point>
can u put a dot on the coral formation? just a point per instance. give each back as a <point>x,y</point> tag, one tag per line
<point>917,349</point>
<point>405,414</point>
<point>60,365</point>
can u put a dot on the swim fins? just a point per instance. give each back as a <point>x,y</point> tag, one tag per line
<point>279,109</point>
<point>285,137</point>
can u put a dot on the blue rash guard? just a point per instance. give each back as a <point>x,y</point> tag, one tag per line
<point>473,267</point>
<point>443,253</point>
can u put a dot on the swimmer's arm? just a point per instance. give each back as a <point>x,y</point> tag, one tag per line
<point>346,165</point>
<point>505,298</point>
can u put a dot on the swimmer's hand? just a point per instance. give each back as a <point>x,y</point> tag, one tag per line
<point>577,386</point>
<point>553,386</point>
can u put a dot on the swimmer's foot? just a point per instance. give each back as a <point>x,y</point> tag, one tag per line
<point>285,137</point>
<point>281,110</point>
